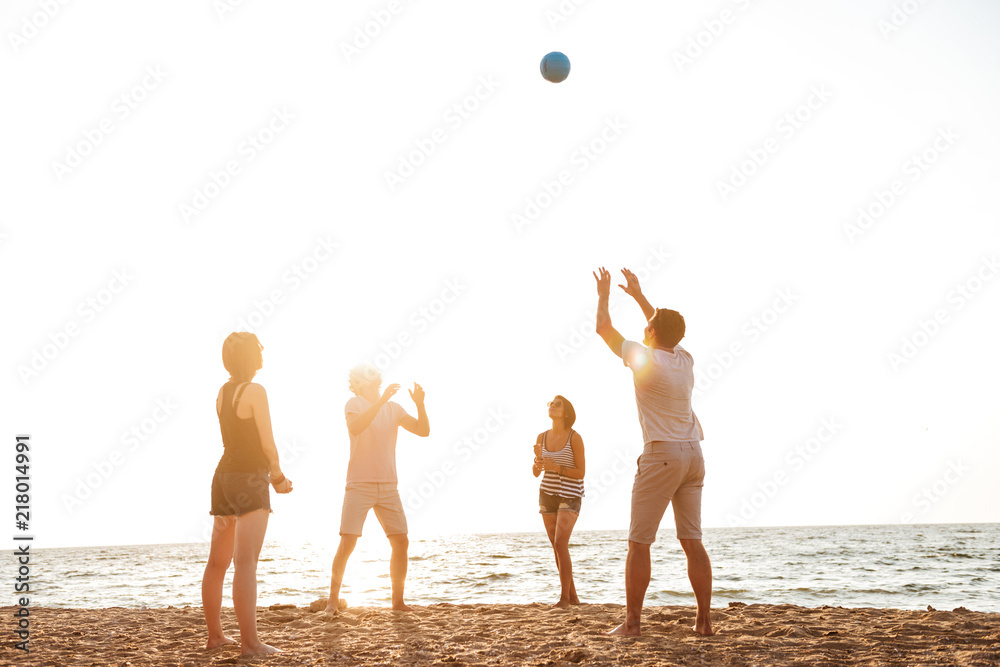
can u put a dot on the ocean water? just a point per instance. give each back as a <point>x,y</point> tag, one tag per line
<point>900,566</point>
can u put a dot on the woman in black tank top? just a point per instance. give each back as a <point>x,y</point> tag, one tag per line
<point>240,494</point>
<point>559,455</point>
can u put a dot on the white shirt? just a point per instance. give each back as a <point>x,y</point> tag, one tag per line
<point>664,382</point>
<point>373,451</point>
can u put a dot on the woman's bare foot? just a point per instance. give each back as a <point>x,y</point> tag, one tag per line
<point>332,609</point>
<point>626,630</point>
<point>704,627</point>
<point>216,642</point>
<point>562,604</point>
<point>402,606</point>
<point>260,649</point>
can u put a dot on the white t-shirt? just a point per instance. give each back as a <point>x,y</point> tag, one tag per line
<point>373,451</point>
<point>663,385</point>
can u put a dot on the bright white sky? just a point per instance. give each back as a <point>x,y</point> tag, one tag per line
<point>107,192</point>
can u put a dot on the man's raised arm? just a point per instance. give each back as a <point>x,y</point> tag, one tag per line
<point>358,422</point>
<point>631,287</point>
<point>603,326</point>
<point>419,426</point>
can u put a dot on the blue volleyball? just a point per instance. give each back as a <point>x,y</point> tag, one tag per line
<point>555,67</point>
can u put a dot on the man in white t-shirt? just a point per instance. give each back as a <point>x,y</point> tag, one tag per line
<point>671,467</point>
<point>373,422</point>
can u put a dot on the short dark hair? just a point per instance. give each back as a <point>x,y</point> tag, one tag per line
<point>569,414</point>
<point>669,326</point>
<point>241,356</point>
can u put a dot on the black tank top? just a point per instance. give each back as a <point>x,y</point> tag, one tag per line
<point>239,436</point>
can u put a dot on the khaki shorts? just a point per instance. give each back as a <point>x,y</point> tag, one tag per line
<point>359,497</point>
<point>668,471</point>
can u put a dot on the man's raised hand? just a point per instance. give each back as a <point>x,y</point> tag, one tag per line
<point>631,286</point>
<point>603,282</point>
<point>389,392</point>
<point>417,394</point>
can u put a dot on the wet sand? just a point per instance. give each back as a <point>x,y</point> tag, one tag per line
<point>535,634</point>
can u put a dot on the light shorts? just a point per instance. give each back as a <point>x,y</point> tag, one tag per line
<point>359,497</point>
<point>668,471</point>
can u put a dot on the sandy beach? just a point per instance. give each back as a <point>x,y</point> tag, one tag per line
<point>534,634</point>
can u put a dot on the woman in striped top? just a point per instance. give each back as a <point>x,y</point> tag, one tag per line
<point>559,454</point>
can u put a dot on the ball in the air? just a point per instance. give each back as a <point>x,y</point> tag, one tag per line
<point>555,67</point>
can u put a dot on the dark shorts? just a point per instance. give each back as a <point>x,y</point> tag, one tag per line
<point>550,504</point>
<point>236,493</point>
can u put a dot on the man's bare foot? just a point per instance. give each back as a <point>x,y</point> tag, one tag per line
<point>704,628</point>
<point>562,604</point>
<point>216,642</point>
<point>626,630</point>
<point>402,606</point>
<point>260,649</point>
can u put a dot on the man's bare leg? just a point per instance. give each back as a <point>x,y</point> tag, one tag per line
<point>397,570</point>
<point>564,529</point>
<point>250,529</point>
<point>219,558</point>
<point>637,572</point>
<point>700,575</point>
<point>344,551</point>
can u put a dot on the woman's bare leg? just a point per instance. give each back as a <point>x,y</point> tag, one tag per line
<point>564,529</point>
<point>550,529</point>
<point>220,556</point>
<point>250,529</point>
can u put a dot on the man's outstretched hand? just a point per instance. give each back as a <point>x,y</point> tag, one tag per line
<point>389,392</point>
<point>631,286</point>
<point>417,394</point>
<point>603,283</point>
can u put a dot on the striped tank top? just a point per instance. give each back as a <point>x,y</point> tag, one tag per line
<point>560,485</point>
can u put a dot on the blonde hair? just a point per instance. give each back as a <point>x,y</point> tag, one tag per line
<point>361,376</point>
<point>241,356</point>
